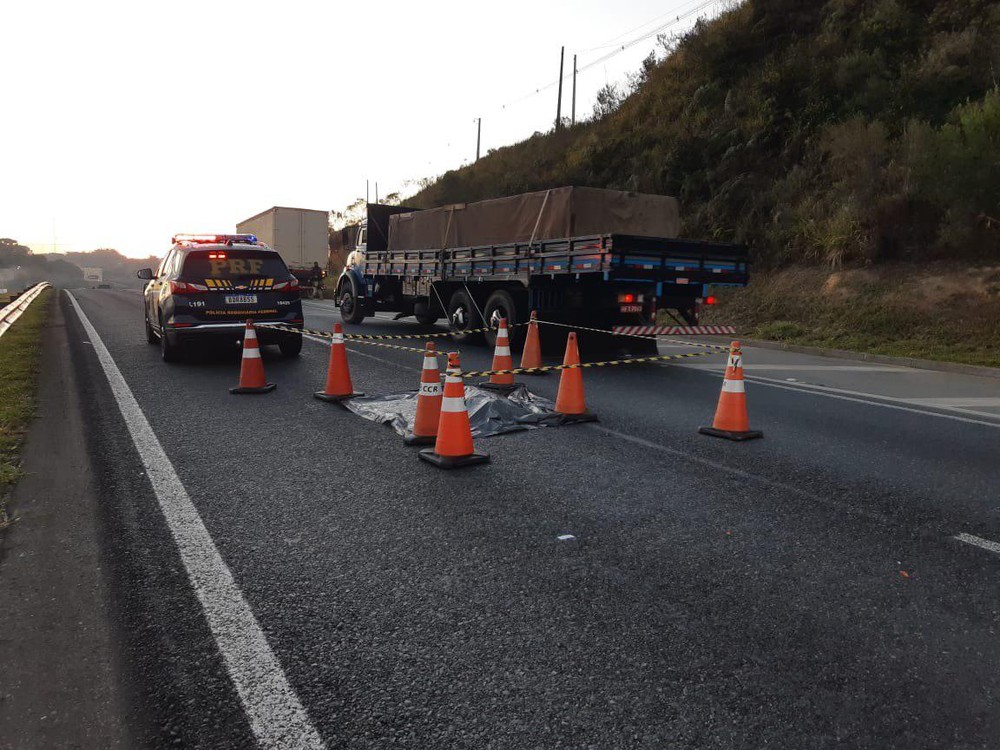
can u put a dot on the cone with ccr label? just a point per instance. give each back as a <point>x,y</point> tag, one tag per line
<point>501,361</point>
<point>252,378</point>
<point>425,423</point>
<point>453,447</point>
<point>731,419</point>
<point>338,374</point>
<point>531,355</point>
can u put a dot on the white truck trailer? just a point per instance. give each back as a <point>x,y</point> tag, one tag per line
<point>300,235</point>
<point>93,276</point>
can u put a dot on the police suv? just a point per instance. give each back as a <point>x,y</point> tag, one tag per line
<point>209,285</point>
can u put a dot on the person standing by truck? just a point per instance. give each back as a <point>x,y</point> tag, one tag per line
<point>316,280</point>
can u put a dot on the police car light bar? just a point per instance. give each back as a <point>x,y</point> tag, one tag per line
<point>215,239</point>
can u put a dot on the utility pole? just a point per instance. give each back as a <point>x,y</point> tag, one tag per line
<point>573,118</point>
<point>562,54</point>
<point>479,132</point>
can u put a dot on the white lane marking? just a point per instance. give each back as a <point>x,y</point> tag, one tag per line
<point>802,368</point>
<point>978,542</point>
<point>277,717</point>
<point>353,350</point>
<point>950,403</point>
<point>855,396</point>
<point>853,510</point>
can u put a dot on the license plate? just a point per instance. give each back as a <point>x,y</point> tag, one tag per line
<point>241,299</point>
<point>631,308</point>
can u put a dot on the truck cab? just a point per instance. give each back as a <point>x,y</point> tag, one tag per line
<point>357,255</point>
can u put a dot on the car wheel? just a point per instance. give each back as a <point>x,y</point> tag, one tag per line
<point>291,347</point>
<point>501,304</point>
<point>150,333</point>
<point>350,309</point>
<point>463,317</point>
<point>168,352</point>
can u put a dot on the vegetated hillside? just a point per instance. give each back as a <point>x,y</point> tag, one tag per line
<point>838,132</point>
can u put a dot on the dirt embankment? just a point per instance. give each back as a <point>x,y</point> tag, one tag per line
<point>934,311</point>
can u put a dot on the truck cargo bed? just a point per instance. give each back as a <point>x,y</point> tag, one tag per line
<point>616,256</point>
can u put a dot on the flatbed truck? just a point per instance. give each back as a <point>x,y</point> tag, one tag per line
<point>599,280</point>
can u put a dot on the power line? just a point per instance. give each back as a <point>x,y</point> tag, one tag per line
<point>617,51</point>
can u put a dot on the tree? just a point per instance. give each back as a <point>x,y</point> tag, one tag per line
<point>609,99</point>
<point>13,253</point>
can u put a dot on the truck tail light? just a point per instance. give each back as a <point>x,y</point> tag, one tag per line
<point>629,298</point>
<point>711,301</point>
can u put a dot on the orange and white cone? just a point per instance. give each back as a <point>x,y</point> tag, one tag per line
<point>338,374</point>
<point>531,355</point>
<point>453,447</point>
<point>731,420</point>
<point>570,401</point>
<point>425,423</point>
<point>501,361</point>
<point>252,378</point>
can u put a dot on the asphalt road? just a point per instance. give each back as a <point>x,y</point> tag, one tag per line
<point>804,590</point>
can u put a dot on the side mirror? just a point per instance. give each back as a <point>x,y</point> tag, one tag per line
<point>145,274</point>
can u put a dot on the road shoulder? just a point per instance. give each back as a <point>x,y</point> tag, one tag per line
<point>61,684</point>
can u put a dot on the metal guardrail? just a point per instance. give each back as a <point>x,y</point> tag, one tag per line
<point>15,309</point>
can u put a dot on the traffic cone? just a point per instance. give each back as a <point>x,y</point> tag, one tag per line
<point>531,355</point>
<point>453,447</point>
<point>570,401</point>
<point>731,420</point>
<point>425,423</point>
<point>252,378</point>
<point>338,374</point>
<point>501,361</point>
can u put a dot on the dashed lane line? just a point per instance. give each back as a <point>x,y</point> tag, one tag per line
<point>978,541</point>
<point>848,508</point>
<point>872,399</point>
<point>276,716</point>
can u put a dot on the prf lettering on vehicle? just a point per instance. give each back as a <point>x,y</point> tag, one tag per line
<point>234,266</point>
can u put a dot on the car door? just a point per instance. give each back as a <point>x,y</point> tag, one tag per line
<point>153,290</point>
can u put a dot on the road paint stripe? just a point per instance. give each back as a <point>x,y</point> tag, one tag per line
<point>276,716</point>
<point>838,393</point>
<point>848,508</point>
<point>978,542</point>
<point>954,402</point>
<point>798,368</point>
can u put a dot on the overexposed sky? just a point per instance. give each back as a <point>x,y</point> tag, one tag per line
<point>125,122</point>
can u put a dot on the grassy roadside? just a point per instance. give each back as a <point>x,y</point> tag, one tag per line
<point>20,348</point>
<point>947,311</point>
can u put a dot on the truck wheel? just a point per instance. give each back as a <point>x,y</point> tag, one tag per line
<point>501,304</point>
<point>424,314</point>
<point>463,317</point>
<point>291,346</point>
<point>350,310</point>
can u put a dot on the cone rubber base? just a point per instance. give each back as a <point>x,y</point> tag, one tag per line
<point>729,435</point>
<point>498,387</point>
<point>335,399</point>
<point>411,439</point>
<point>453,462</point>
<point>263,389</point>
<point>574,418</point>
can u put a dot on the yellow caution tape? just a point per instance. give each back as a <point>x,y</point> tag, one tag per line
<point>582,365</point>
